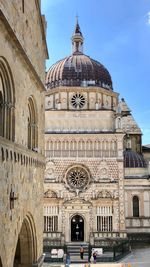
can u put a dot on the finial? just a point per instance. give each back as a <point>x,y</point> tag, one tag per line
<point>77,39</point>
<point>77,18</point>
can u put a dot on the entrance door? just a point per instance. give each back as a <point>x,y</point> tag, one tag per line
<point>77,228</point>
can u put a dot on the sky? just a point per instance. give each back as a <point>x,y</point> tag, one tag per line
<point>117,34</point>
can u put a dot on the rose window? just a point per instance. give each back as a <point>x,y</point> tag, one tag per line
<point>77,177</point>
<point>78,100</point>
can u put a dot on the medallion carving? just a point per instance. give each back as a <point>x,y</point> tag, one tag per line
<point>50,170</point>
<point>102,171</point>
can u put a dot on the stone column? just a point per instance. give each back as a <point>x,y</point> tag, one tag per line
<point>121,184</point>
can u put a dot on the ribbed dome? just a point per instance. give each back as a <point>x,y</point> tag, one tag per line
<point>133,160</point>
<point>78,70</point>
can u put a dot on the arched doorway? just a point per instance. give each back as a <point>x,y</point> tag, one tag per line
<point>77,228</point>
<point>25,254</point>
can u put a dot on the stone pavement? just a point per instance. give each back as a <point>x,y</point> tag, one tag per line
<point>137,258</point>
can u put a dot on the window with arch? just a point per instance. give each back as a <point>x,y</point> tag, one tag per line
<point>32,125</point>
<point>7,102</point>
<point>135,206</point>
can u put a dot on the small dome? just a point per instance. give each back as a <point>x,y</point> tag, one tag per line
<point>78,70</point>
<point>133,159</point>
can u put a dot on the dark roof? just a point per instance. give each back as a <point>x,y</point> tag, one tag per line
<point>78,70</point>
<point>133,159</point>
<point>146,148</point>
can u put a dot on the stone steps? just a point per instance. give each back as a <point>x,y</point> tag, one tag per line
<point>74,250</point>
<point>77,259</point>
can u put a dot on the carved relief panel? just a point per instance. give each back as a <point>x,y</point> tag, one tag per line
<point>102,171</point>
<point>50,170</point>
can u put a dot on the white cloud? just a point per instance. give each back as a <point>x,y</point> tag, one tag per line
<point>148,17</point>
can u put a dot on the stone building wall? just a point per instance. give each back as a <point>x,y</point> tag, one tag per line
<point>138,224</point>
<point>22,74</point>
<point>25,86</point>
<point>29,28</point>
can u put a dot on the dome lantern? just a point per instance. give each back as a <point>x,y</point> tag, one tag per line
<point>77,39</point>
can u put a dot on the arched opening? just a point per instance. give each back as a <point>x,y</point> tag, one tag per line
<point>135,206</point>
<point>32,126</point>
<point>77,228</point>
<point>7,101</point>
<point>1,112</point>
<point>25,254</point>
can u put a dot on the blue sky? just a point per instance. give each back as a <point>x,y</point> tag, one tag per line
<point>116,33</point>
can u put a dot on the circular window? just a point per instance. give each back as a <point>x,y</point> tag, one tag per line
<point>78,100</point>
<point>77,177</point>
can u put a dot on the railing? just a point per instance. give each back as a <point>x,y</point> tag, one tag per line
<point>100,235</point>
<point>80,153</point>
<point>111,250</point>
<point>53,239</point>
<point>52,235</point>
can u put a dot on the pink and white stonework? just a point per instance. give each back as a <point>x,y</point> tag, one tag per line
<point>96,180</point>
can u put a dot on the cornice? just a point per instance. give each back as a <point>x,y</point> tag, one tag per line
<point>89,89</point>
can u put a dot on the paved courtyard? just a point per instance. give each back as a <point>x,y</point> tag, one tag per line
<point>137,258</point>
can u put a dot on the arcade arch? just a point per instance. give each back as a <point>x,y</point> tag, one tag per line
<point>26,249</point>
